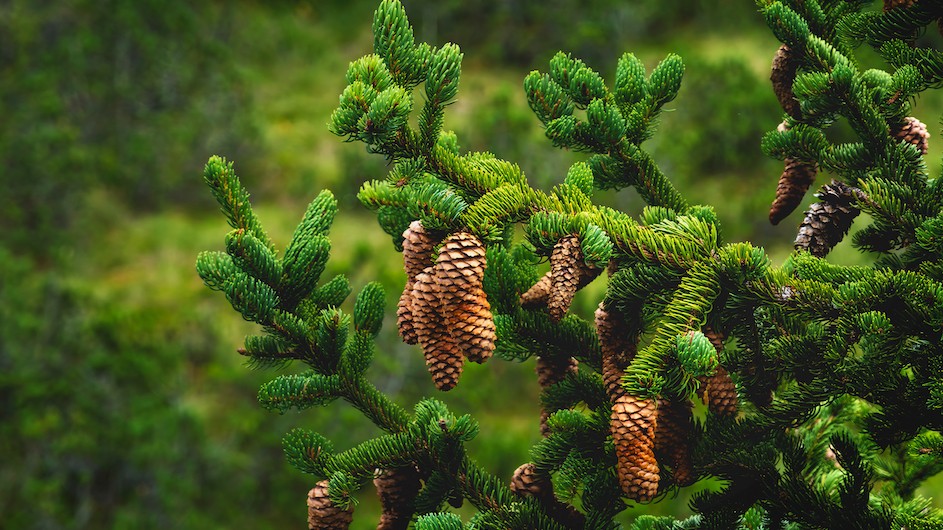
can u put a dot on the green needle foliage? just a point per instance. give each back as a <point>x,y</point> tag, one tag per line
<point>833,406</point>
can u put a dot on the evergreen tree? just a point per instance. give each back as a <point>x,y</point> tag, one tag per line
<point>819,383</point>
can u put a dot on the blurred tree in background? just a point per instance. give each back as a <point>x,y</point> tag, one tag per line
<point>124,95</point>
<point>123,404</point>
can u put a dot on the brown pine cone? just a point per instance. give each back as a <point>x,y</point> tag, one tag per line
<point>633,433</point>
<point>404,315</point>
<point>538,294</point>
<point>617,350</point>
<point>716,338</point>
<point>472,325</point>
<point>323,514</point>
<point>568,273</point>
<point>417,255</point>
<point>783,74</point>
<point>550,372</point>
<point>720,393</point>
<point>443,357</point>
<point>795,181</point>
<point>397,489</point>
<point>417,249</point>
<point>527,483</point>
<point>673,439</point>
<point>827,221</point>
<point>459,273</point>
<point>894,4</point>
<point>913,131</point>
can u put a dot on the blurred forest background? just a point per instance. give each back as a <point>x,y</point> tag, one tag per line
<point>122,401</point>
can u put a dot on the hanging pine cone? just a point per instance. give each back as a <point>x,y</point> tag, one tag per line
<point>795,181</point>
<point>417,255</point>
<point>323,514</point>
<point>538,294</point>
<point>404,315</point>
<point>827,221</point>
<point>443,357</point>
<point>459,273</point>
<point>568,273</point>
<point>673,439</point>
<point>551,371</point>
<point>633,433</point>
<point>783,74</point>
<point>720,393</point>
<point>417,249</point>
<point>716,338</point>
<point>617,350</point>
<point>527,483</point>
<point>397,489</point>
<point>913,131</point>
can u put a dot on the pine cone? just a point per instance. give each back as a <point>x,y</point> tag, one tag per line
<point>796,179</point>
<point>827,221</point>
<point>894,4</point>
<point>568,273</point>
<point>397,489</point>
<point>323,514</point>
<point>913,131</point>
<point>417,255</point>
<point>673,439</point>
<point>443,357</point>
<point>404,315</point>
<point>459,273</point>
<point>417,249</point>
<point>617,350</point>
<point>783,74</point>
<point>538,294</point>
<point>720,393</point>
<point>550,372</point>
<point>633,433</point>
<point>527,483</point>
<point>716,338</point>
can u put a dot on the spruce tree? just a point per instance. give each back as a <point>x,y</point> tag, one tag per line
<point>817,386</point>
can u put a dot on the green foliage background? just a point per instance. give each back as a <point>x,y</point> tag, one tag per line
<point>122,401</point>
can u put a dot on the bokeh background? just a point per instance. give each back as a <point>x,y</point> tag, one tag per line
<point>122,401</point>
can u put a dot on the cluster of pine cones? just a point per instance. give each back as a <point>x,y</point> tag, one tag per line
<point>443,307</point>
<point>645,431</point>
<point>827,221</point>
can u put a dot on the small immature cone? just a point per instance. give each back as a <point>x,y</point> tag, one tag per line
<point>443,357</point>
<point>538,294</point>
<point>617,350</point>
<point>417,255</point>
<point>633,433</point>
<point>459,273</point>
<point>323,514</point>
<point>568,273</point>
<point>673,439</point>
<point>397,489</point>
<point>782,75</point>
<point>827,221</point>
<point>795,181</point>
<point>550,372</point>
<point>913,131</point>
